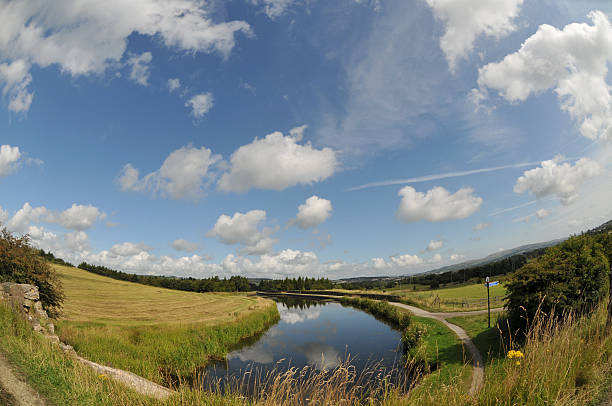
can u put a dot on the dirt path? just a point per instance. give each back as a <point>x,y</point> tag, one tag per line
<point>477,361</point>
<point>14,390</point>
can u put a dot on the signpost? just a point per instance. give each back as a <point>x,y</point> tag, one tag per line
<point>488,284</point>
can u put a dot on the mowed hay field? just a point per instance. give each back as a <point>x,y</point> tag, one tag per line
<point>91,297</point>
<point>154,332</point>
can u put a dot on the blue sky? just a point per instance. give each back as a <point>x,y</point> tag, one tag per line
<point>274,138</point>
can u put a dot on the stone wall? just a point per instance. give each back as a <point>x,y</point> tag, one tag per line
<point>26,298</point>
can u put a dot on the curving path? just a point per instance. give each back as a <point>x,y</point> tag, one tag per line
<point>477,361</point>
<point>15,389</point>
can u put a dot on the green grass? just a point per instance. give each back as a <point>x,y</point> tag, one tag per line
<point>61,380</point>
<point>156,333</point>
<point>486,339</point>
<point>564,365</point>
<point>457,298</point>
<point>452,299</point>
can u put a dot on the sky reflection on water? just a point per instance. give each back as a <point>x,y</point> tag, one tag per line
<point>319,335</point>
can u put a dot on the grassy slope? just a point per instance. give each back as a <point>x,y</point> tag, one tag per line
<point>486,339</point>
<point>95,298</point>
<point>154,332</point>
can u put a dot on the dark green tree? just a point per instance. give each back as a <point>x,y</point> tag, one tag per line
<point>21,263</point>
<point>570,277</point>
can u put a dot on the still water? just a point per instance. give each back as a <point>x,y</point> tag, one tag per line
<point>316,334</point>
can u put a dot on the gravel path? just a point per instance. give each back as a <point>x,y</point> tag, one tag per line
<point>478,374</point>
<point>14,390</point>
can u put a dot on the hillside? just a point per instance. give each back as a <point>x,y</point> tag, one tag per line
<point>91,297</point>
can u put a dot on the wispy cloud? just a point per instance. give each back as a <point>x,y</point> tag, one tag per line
<point>520,206</point>
<point>447,175</point>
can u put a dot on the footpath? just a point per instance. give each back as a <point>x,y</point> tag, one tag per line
<point>14,391</point>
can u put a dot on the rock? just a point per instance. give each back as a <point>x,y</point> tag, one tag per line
<point>53,338</point>
<point>30,292</point>
<point>40,312</point>
<point>51,328</point>
<point>38,328</point>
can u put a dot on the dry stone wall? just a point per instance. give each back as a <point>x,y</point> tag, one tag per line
<point>26,299</point>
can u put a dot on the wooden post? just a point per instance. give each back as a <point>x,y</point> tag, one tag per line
<point>488,302</point>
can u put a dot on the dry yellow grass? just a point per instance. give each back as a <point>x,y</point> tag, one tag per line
<point>95,298</point>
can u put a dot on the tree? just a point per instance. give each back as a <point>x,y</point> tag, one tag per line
<point>570,277</point>
<point>20,263</point>
<point>606,241</point>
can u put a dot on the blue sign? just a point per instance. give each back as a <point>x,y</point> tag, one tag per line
<point>492,283</point>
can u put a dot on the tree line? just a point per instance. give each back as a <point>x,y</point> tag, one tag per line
<point>278,285</point>
<point>213,284</point>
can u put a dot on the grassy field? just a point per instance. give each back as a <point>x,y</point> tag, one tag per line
<point>95,298</point>
<point>467,297</point>
<point>156,333</point>
<point>563,365</point>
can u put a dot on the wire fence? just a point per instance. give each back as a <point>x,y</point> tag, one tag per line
<point>496,301</point>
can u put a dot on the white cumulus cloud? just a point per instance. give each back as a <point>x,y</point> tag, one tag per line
<point>277,162</point>
<point>540,214</point>
<point>572,61</point>
<point>183,175</point>
<point>437,204</point>
<point>140,68</point>
<point>184,245</point>
<point>313,212</point>
<point>173,84</point>
<point>15,78</point>
<point>434,245</point>
<point>9,159</point>
<point>77,217</point>
<point>200,104</point>
<point>561,180</point>
<point>242,228</point>
<point>273,8</point>
<point>465,20</point>
<point>82,37</point>
<point>128,249</point>
<point>397,261</point>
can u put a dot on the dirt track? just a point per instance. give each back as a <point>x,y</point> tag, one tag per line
<point>477,362</point>
<point>14,390</point>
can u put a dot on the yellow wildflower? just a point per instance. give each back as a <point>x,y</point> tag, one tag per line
<point>102,376</point>
<point>518,362</point>
<point>515,354</point>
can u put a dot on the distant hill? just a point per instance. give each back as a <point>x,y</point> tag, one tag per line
<point>496,256</point>
<point>489,259</point>
<point>605,227</point>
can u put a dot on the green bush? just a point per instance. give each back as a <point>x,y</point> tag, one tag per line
<point>21,263</point>
<point>570,277</point>
<point>412,337</point>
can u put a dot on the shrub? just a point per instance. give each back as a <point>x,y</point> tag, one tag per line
<point>570,277</point>
<point>21,263</point>
<point>412,337</point>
